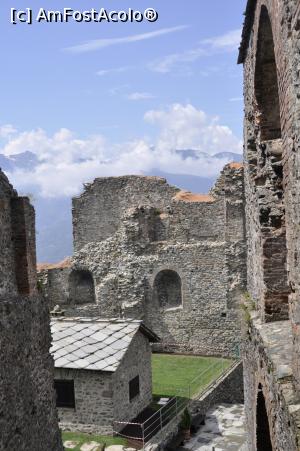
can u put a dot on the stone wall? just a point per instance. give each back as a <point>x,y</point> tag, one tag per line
<point>102,398</point>
<point>267,358</point>
<point>8,283</point>
<point>28,418</point>
<point>264,186</point>
<point>55,285</point>
<point>199,239</point>
<point>23,237</point>
<point>270,53</point>
<point>229,389</point>
<point>98,211</point>
<point>94,407</point>
<point>136,362</point>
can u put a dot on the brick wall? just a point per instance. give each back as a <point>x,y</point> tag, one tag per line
<point>23,237</point>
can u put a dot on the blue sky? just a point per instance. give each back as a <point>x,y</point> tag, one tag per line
<point>169,85</point>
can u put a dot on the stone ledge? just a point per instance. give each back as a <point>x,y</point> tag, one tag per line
<point>277,343</point>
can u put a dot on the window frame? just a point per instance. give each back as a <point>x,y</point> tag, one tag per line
<point>71,386</point>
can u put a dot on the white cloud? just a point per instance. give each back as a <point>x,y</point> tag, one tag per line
<point>7,130</point>
<point>185,127</point>
<point>66,161</point>
<point>62,147</point>
<point>166,64</point>
<point>227,42</point>
<point>97,44</point>
<point>140,96</point>
<point>116,70</point>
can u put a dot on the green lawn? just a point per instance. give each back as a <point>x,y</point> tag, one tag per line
<point>173,374</point>
<point>86,438</point>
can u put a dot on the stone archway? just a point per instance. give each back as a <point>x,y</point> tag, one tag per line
<point>263,437</point>
<point>266,81</point>
<point>167,289</point>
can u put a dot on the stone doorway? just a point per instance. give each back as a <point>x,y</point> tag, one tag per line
<point>263,438</point>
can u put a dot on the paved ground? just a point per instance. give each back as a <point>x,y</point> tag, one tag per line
<point>223,430</point>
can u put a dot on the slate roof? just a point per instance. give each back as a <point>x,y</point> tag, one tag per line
<point>93,344</point>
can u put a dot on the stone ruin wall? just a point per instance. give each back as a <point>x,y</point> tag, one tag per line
<point>265,209</point>
<point>291,171</point>
<point>150,227</point>
<point>28,418</point>
<point>271,131</point>
<point>98,211</point>
<point>260,376</point>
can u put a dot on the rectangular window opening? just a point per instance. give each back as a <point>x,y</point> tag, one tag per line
<point>65,394</point>
<point>134,388</point>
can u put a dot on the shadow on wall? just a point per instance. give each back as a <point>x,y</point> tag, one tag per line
<point>81,287</point>
<point>167,291</point>
<point>263,437</point>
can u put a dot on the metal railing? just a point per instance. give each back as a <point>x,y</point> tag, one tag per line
<point>143,432</point>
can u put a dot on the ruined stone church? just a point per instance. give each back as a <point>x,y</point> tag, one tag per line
<point>147,250</point>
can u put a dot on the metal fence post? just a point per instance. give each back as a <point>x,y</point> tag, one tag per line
<point>160,416</point>
<point>143,435</point>
<point>176,406</point>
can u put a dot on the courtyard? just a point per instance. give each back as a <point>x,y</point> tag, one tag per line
<point>224,430</point>
<point>184,375</point>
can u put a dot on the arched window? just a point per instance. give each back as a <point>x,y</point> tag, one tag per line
<point>263,438</point>
<point>167,289</point>
<point>266,83</point>
<point>81,287</point>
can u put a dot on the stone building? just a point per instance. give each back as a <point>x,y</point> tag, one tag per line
<point>102,372</point>
<point>28,418</point>
<point>270,54</point>
<point>145,249</point>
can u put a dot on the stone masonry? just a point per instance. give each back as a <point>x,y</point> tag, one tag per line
<point>147,250</point>
<point>270,54</point>
<point>102,398</point>
<point>28,419</point>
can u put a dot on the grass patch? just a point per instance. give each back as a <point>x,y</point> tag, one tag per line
<point>86,438</point>
<point>173,374</point>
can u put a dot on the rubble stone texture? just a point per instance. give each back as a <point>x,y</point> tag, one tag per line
<point>170,257</point>
<point>271,58</point>
<point>28,419</point>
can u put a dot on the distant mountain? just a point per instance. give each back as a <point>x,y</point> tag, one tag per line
<point>25,160</point>
<point>230,156</point>
<point>54,228</point>
<point>195,154</point>
<point>192,183</point>
<point>54,215</point>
